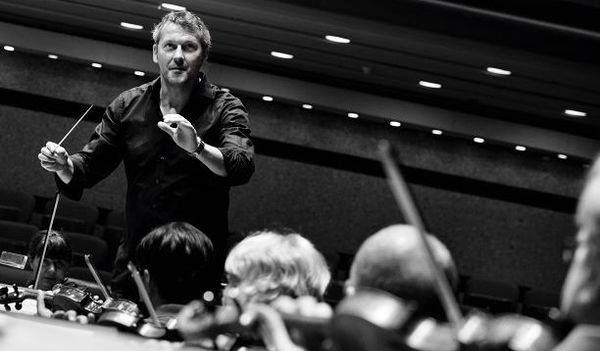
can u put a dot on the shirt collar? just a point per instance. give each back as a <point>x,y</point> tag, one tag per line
<point>202,89</point>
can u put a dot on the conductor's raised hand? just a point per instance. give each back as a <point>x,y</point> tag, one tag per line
<point>54,158</point>
<point>181,130</point>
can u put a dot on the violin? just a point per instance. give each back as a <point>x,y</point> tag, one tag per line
<point>374,319</point>
<point>62,297</point>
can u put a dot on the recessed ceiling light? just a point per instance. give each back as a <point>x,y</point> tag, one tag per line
<point>96,65</point>
<point>336,39</point>
<point>562,156</point>
<point>139,73</point>
<point>479,140</point>
<point>436,132</point>
<point>267,98</point>
<point>131,26</point>
<point>171,7</point>
<point>282,55</point>
<point>520,148</point>
<point>395,123</point>
<point>575,113</point>
<point>52,57</point>
<point>9,48</point>
<point>307,106</point>
<point>499,71</point>
<point>352,115</point>
<point>430,84</point>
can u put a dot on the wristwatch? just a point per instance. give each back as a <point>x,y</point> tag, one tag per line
<point>199,149</point>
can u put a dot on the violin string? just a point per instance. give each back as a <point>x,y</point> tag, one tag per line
<point>43,257</point>
<point>404,200</point>
<point>75,125</point>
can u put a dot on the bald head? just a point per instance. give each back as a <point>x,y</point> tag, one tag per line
<point>394,260</point>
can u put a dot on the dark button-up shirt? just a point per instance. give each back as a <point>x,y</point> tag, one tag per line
<point>165,183</point>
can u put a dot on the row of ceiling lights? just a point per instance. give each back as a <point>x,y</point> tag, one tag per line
<point>335,39</point>
<point>396,124</point>
<point>306,106</point>
<point>338,40</point>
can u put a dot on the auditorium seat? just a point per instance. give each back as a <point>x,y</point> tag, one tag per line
<point>113,231</point>
<point>491,296</point>
<point>16,206</point>
<point>15,236</point>
<point>539,303</point>
<point>11,275</point>
<point>72,216</point>
<point>83,244</point>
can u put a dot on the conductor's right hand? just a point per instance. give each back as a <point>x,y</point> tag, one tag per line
<point>54,158</point>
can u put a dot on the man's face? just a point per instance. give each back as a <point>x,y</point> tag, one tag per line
<point>53,272</point>
<point>581,291</point>
<point>178,54</point>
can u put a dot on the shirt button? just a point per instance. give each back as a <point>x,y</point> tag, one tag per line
<point>153,206</point>
<point>157,181</point>
<point>162,158</point>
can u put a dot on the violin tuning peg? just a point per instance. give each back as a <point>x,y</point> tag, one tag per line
<point>18,306</point>
<point>7,307</point>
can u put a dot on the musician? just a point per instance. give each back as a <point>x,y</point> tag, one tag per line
<point>184,142</point>
<point>57,261</point>
<point>580,300</point>
<point>393,260</point>
<point>263,267</point>
<point>270,263</point>
<point>174,259</point>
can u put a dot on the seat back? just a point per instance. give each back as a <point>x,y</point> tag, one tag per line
<point>83,244</point>
<point>72,216</point>
<point>16,206</point>
<point>15,236</point>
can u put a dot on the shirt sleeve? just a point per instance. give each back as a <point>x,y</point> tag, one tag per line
<point>235,143</point>
<point>98,158</point>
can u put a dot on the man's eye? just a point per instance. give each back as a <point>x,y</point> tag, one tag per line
<point>169,46</point>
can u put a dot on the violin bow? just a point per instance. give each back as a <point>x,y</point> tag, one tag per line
<point>88,262</point>
<point>43,257</point>
<point>407,206</point>
<point>143,292</point>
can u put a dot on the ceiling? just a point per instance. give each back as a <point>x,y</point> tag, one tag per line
<point>552,48</point>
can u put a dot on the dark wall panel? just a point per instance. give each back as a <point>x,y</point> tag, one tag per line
<point>317,172</point>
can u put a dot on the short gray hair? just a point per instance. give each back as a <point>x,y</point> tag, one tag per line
<point>191,23</point>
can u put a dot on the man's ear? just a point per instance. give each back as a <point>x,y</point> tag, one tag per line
<point>155,53</point>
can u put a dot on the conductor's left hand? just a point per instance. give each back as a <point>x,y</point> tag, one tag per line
<point>181,130</point>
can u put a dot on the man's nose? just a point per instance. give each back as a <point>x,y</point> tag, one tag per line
<point>51,267</point>
<point>178,56</point>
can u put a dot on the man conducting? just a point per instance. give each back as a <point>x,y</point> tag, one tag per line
<point>183,142</point>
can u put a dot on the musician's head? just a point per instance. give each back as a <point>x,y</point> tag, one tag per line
<point>181,46</point>
<point>175,259</point>
<point>394,260</point>
<point>581,290</point>
<point>57,260</point>
<point>271,263</point>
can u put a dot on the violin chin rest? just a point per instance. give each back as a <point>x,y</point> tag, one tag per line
<point>118,319</point>
<point>149,330</point>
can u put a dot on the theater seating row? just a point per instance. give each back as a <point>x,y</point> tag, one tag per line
<point>78,220</point>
